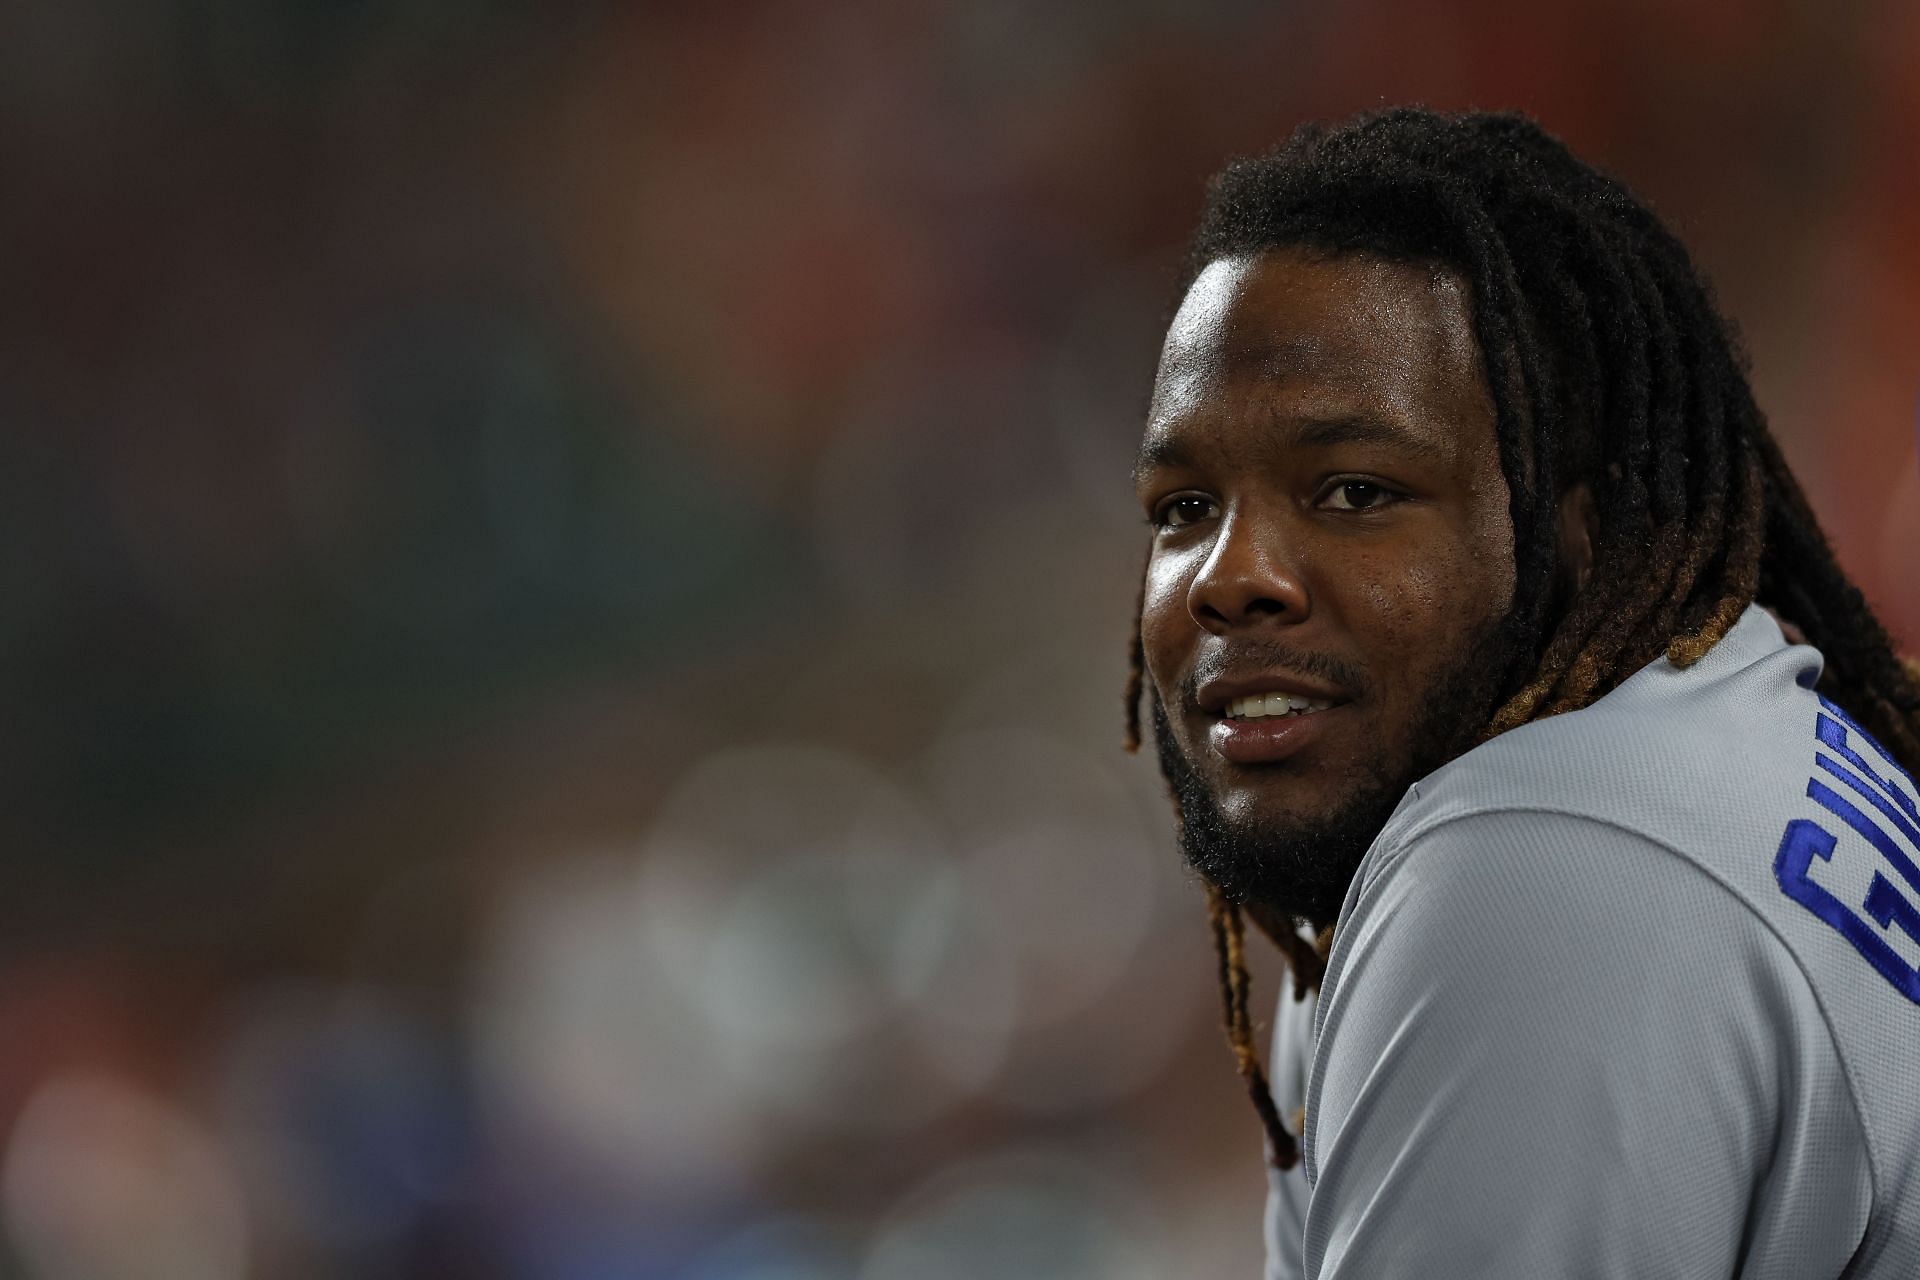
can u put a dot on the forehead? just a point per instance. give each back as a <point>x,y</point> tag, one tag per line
<point>1299,335</point>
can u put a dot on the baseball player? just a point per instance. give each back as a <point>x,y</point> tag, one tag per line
<point>1501,674</point>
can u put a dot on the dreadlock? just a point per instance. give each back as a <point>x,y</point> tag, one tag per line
<point>1608,363</point>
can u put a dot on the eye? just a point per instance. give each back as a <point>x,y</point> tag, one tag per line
<point>1358,495</point>
<point>1182,509</point>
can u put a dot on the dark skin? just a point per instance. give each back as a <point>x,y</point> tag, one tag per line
<point>1330,520</point>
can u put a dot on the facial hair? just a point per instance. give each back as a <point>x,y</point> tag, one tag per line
<point>1301,868</point>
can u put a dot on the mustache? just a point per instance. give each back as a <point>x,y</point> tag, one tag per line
<point>1252,656</point>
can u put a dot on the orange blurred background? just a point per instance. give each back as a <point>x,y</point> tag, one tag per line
<point>567,568</point>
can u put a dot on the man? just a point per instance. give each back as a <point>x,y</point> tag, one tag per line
<point>1461,635</point>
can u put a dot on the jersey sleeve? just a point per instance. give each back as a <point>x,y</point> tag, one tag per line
<point>1553,1047</point>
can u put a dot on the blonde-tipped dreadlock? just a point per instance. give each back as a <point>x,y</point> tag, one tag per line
<point>1307,963</point>
<point>1228,944</point>
<point>1608,363</point>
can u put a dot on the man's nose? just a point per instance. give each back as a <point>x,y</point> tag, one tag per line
<point>1249,578</point>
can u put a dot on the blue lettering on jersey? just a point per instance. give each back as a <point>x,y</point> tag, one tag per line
<point>1877,801</point>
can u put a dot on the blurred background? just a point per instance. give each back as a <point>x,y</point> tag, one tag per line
<point>564,571</point>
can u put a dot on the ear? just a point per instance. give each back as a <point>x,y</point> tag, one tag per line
<point>1579,528</point>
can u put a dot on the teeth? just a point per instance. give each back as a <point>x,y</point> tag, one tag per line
<point>1256,706</point>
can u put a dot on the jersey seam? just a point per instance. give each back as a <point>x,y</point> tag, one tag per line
<point>1431,825</point>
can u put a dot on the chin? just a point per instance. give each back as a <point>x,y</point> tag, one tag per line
<point>1251,808</point>
<point>1300,869</point>
<point>1293,857</point>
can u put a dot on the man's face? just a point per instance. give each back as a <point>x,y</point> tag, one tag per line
<point>1326,597</point>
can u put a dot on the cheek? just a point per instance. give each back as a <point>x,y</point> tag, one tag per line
<point>1166,629</point>
<point>1490,529</point>
<point>1493,570</point>
<point>1399,589</point>
<point>1420,608</point>
<point>1406,612</point>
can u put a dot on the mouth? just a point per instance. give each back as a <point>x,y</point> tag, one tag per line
<point>1266,718</point>
<point>1273,692</point>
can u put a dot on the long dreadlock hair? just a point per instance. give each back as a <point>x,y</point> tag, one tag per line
<point>1607,362</point>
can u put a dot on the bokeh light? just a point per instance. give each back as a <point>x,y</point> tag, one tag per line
<point>104,1181</point>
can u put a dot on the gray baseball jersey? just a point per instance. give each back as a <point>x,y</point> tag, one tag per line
<point>1630,992</point>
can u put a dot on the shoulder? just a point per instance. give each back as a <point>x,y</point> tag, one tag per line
<point>1569,953</point>
<point>1701,762</point>
<point>1521,1006</point>
<point>1504,893</point>
<point>1563,900</point>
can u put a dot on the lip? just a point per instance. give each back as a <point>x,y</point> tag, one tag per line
<point>1269,738</point>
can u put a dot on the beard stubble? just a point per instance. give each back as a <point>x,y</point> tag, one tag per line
<point>1301,868</point>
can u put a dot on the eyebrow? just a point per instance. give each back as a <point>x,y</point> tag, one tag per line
<point>1325,433</point>
<point>1159,453</point>
<point>1171,452</point>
